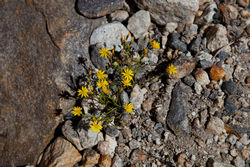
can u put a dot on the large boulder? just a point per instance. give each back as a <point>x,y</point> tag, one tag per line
<point>167,11</point>
<point>39,41</point>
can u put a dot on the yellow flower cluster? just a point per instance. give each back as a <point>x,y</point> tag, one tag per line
<point>154,44</point>
<point>129,108</point>
<point>102,82</point>
<point>127,77</point>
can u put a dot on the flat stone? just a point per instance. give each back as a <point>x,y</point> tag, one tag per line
<point>217,73</point>
<point>138,156</point>
<point>119,15</point>
<point>176,43</point>
<point>60,153</point>
<point>229,87</point>
<point>244,3</point>
<point>202,77</point>
<point>208,13</point>
<point>177,116</point>
<point>105,161</point>
<point>217,38</point>
<point>137,96</point>
<point>108,146</point>
<point>195,45</point>
<point>215,126</point>
<point>98,8</point>
<point>184,67</point>
<point>163,12</point>
<point>189,80</point>
<point>90,158</point>
<point>139,23</point>
<point>230,107</point>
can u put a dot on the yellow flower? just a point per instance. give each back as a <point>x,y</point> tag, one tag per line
<point>128,74</point>
<point>96,127</point>
<point>83,92</point>
<point>145,52</point>
<point>100,74</point>
<point>90,72</point>
<point>129,108</point>
<point>91,88</point>
<point>102,83</point>
<point>77,111</point>
<point>126,82</point>
<point>171,69</point>
<point>105,90</point>
<point>104,52</point>
<point>155,45</point>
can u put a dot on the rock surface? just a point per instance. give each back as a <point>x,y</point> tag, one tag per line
<point>138,24</point>
<point>60,153</point>
<point>216,126</point>
<point>98,8</point>
<point>170,11</point>
<point>136,97</point>
<point>110,34</point>
<point>177,117</point>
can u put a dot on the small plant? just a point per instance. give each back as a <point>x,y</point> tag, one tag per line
<point>105,86</point>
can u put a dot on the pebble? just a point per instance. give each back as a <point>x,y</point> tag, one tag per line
<point>90,158</point>
<point>217,73</point>
<point>104,161</point>
<point>243,3</point>
<point>197,88</point>
<point>189,80</point>
<point>232,139</point>
<point>201,77</point>
<point>138,156</point>
<point>177,119</point>
<point>222,55</point>
<point>233,152</point>
<point>230,107</point>
<point>245,154</point>
<point>229,87</point>
<point>206,59</point>
<point>159,128</point>
<point>137,96</point>
<point>134,144</point>
<point>189,33</point>
<point>119,15</point>
<point>245,140</point>
<point>221,164</point>
<point>108,146</point>
<point>147,104</point>
<point>239,145</point>
<point>217,38</point>
<point>112,131</point>
<point>215,126</point>
<point>117,161</point>
<point>60,153</point>
<point>110,34</point>
<point>195,45</point>
<point>139,23</point>
<point>239,162</point>
<point>124,98</point>
<point>171,27</point>
<point>208,13</point>
<point>176,43</point>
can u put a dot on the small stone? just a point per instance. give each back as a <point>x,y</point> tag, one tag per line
<point>233,152</point>
<point>138,156</point>
<point>139,23</point>
<point>181,159</point>
<point>217,38</point>
<point>110,35</point>
<point>215,126</point>
<point>124,98</point>
<point>243,3</point>
<point>184,66</point>
<point>232,139</point>
<point>220,164</point>
<point>213,95</point>
<point>197,88</point>
<point>147,104</point>
<point>189,33</point>
<point>244,140</point>
<point>104,161</point>
<point>170,27</point>
<point>229,87</point>
<point>216,73</point>
<point>239,162</point>
<point>158,141</point>
<point>108,146</point>
<point>60,153</point>
<point>98,8</point>
<point>90,158</point>
<point>206,59</point>
<point>195,45</point>
<point>189,80</point>
<point>117,161</point>
<point>112,131</point>
<point>137,96</point>
<point>202,77</point>
<point>159,128</point>
<point>177,119</point>
<point>230,107</point>
<point>134,144</point>
<point>239,145</point>
<point>208,13</point>
<point>176,43</point>
<point>119,15</point>
<point>245,154</point>
<point>222,55</point>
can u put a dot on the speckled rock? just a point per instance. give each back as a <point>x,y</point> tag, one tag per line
<point>138,24</point>
<point>202,77</point>
<point>163,12</point>
<point>98,8</point>
<point>60,153</point>
<point>90,158</point>
<point>217,73</point>
<point>215,125</point>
